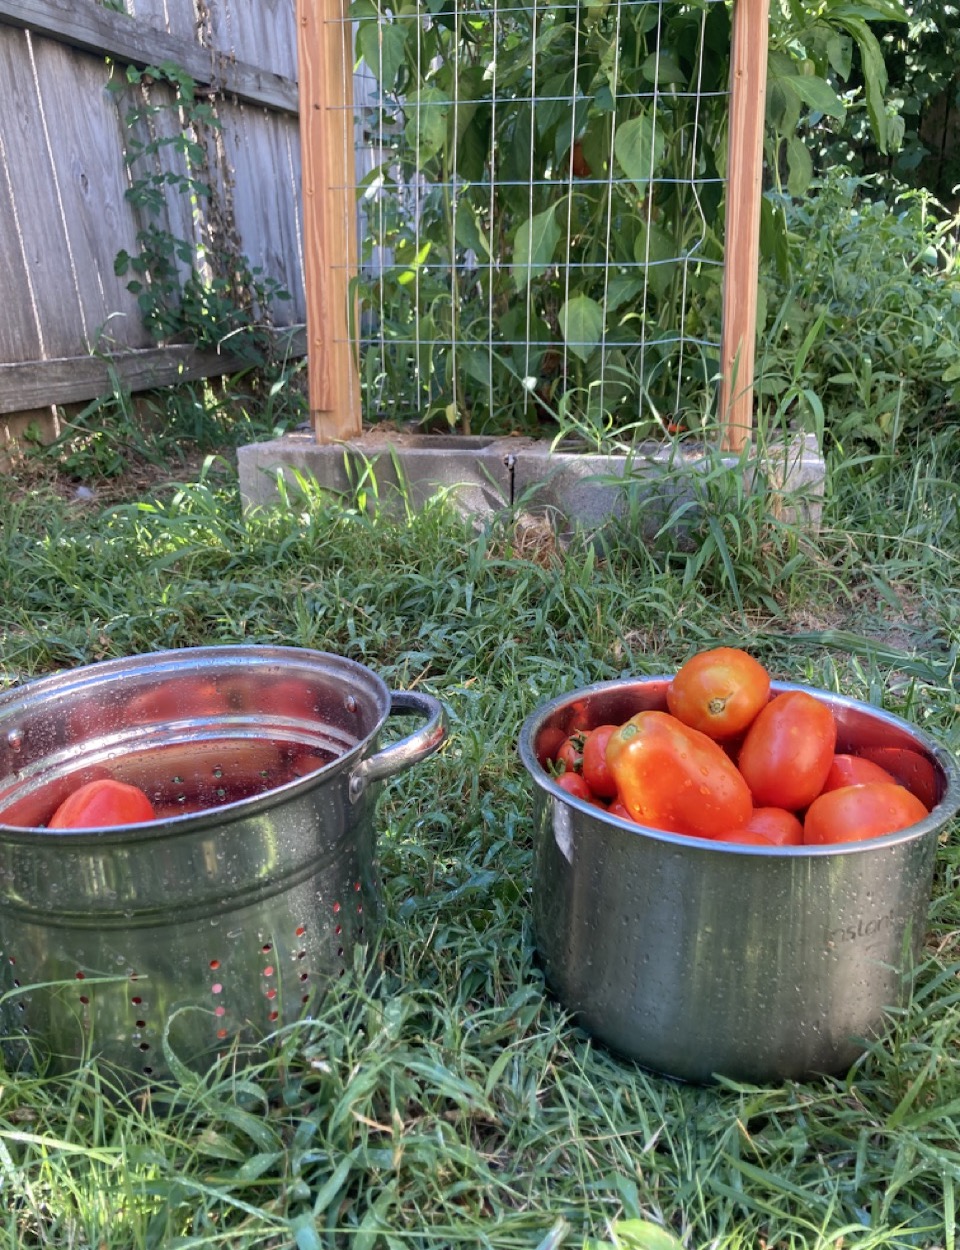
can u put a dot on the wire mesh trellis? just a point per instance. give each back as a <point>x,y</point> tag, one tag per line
<point>540,192</point>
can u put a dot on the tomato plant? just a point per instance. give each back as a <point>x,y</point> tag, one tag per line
<point>673,777</point>
<point>100,804</point>
<point>853,813</point>
<point>596,770</point>
<point>788,751</point>
<point>719,691</point>
<point>854,770</point>
<point>776,825</point>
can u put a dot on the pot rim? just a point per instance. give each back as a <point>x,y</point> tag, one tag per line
<point>933,823</point>
<point>51,684</point>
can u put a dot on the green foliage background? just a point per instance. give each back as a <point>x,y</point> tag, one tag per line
<point>545,229</point>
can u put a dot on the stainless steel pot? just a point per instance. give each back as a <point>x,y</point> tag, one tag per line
<point>224,917</point>
<point>700,959</point>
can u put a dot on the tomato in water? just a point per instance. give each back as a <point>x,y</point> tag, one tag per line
<point>101,804</point>
<point>776,825</point>
<point>719,691</point>
<point>675,778</point>
<point>596,770</point>
<point>854,770</point>
<point>854,813</point>
<point>788,751</point>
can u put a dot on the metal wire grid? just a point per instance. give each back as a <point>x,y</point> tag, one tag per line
<point>475,326</point>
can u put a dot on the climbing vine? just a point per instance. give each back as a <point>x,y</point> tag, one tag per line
<point>193,286</point>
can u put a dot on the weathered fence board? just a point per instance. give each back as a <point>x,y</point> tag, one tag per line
<point>259,34</point>
<point>71,327</point>
<point>89,185</point>
<point>86,25</point>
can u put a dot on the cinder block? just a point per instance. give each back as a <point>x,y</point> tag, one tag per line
<point>392,471</point>
<point>483,476</point>
<point>649,485</point>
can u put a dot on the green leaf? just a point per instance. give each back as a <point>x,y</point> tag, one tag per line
<point>383,46</point>
<point>653,248</point>
<point>534,245</point>
<point>643,1235</point>
<point>874,76</point>
<point>840,54</point>
<point>663,68</point>
<point>639,147</point>
<point>305,1233</point>
<point>581,321</point>
<point>426,128</point>
<point>799,166</point>
<point>871,11</point>
<point>814,92</point>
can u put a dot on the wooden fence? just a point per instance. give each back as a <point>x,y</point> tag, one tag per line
<point>69,324</point>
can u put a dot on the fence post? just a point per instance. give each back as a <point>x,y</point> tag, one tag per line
<point>748,89</point>
<point>325,54</point>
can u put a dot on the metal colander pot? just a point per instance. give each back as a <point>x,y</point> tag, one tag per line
<point>699,959</point>
<point>224,917</point>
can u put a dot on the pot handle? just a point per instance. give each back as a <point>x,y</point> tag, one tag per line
<point>410,750</point>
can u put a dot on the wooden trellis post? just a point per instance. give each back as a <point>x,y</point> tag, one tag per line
<point>325,51</point>
<point>748,89</point>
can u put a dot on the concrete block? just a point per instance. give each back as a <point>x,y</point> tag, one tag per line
<point>393,471</point>
<point>484,476</point>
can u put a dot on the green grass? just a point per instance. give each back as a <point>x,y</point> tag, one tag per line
<point>451,1102</point>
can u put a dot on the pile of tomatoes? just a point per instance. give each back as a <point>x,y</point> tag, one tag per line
<point>729,763</point>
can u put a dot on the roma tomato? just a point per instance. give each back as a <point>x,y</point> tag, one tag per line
<point>675,778</point>
<point>776,825</point>
<point>788,751</point>
<point>853,813</point>
<point>100,804</point>
<point>596,771</point>
<point>854,770</point>
<point>719,692</point>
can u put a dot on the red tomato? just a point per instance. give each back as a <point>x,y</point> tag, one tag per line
<point>788,751</point>
<point>675,778</point>
<point>579,166</point>
<point>854,770</point>
<point>719,692</point>
<point>549,743</point>
<point>853,813</point>
<point>745,836</point>
<point>570,754</point>
<point>100,804</point>
<point>574,784</point>
<point>910,768</point>
<point>776,825</point>
<point>596,771</point>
